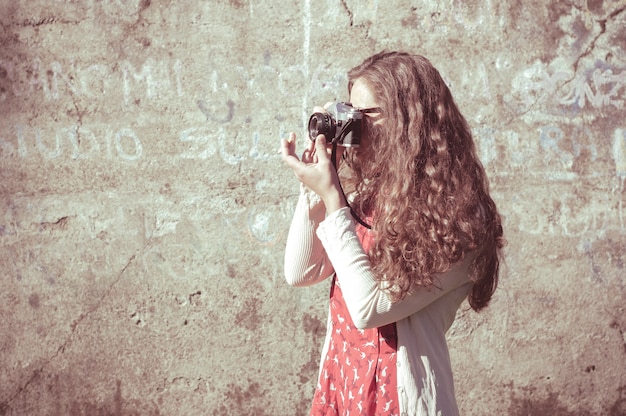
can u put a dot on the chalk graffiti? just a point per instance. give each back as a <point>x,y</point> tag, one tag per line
<point>205,142</point>
<point>260,225</point>
<point>202,144</point>
<point>79,143</point>
<point>229,101</point>
<point>85,142</point>
<point>158,77</point>
<point>266,223</point>
<point>485,136</point>
<point>570,146</point>
<point>552,138</point>
<point>136,148</point>
<point>153,80</point>
<point>600,86</point>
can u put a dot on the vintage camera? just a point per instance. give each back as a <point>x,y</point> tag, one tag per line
<point>342,124</point>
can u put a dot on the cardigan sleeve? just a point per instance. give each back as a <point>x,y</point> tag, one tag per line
<point>369,304</point>
<point>306,261</point>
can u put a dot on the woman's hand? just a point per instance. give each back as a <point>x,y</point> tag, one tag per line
<point>315,170</point>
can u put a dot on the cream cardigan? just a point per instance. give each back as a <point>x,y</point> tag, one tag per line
<point>320,245</point>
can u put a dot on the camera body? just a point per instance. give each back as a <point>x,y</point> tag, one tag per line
<point>341,124</point>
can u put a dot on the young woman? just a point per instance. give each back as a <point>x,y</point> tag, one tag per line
<point>435,240</point>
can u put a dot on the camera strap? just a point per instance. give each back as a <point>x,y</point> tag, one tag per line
<point>354,214</point>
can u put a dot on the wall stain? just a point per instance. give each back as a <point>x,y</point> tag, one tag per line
<point>619,407</point>
<point>240,401</point>
<point>209,111</point>
<point>525,404</point>
<point>60,224</point>
<point>314,326</point>
<point>249,317</point>
<point>33,301</point>
<point>528,406</point>
<point>238,4</point>
<point>56,386</point>
<point>615,325</point>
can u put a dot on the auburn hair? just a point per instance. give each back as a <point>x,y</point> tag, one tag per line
<point>420,181</point>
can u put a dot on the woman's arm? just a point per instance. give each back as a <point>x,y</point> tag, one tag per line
<point>368,304</point>
<point>306,262</point>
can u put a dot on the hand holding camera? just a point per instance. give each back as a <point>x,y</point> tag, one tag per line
<point>341,124</point>
<point>315,170</point>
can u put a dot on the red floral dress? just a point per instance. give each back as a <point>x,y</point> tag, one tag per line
<point>358,374</point>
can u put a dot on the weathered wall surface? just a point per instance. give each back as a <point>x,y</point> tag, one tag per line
<point>144,209</point>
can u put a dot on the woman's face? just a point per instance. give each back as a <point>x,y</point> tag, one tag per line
<point>362,97</point>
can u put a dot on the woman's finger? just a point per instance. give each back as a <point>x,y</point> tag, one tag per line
<point>309,152</point>
<point>321,148</point>
<point>288,145</point>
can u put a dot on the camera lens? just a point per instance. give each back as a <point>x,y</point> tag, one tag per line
<point>322,123</point>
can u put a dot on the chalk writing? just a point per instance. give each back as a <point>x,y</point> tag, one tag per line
<point>552,137</point>
<point>231,98</point>
<point>230,157</point>
<point>153,80</point>
<point>259,224</point>
<point>486,144</point>
<point>256,153</point>
<point>129,153</point>
<point>573,147</point>
<point>266,222</point>
<point>205,143</point>
<point>599,86</point>
<point>85,142</point>
<point>158,78</point>
<point>78,143</point>
<point>202,143</point>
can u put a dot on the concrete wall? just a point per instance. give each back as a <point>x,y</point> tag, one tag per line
<point>144,210</point>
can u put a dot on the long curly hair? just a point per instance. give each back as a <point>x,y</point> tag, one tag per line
<point>421,182</point>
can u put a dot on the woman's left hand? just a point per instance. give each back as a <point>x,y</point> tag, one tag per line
<point>315,170</point>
